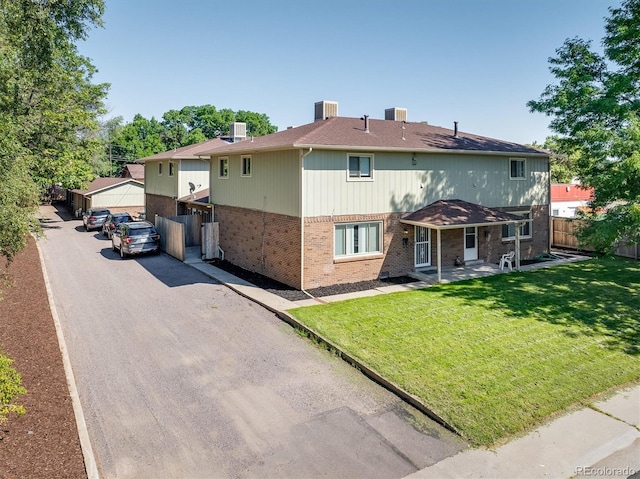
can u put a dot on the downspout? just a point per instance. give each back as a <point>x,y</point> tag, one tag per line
<point>302,215</point>
<point>175,179</point>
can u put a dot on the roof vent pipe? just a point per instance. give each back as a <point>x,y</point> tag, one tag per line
<point>366,123</point>
<point>455,129</point>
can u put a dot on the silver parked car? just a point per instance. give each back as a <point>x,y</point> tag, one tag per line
<point>135,238</point>
<point>93,218</point>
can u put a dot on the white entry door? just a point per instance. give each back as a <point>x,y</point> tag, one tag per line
<point>422,256</point>
<point>471,243</point>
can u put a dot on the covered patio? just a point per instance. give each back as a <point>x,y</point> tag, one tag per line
<point>458,214</point>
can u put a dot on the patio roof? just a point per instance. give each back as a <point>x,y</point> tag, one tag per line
<point>450,214</point>
<point>198,198</point>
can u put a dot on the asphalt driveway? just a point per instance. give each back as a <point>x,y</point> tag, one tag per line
<point>180,377</point>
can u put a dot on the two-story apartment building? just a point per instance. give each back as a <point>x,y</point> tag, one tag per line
<point>174,175</point>
<point>342,200</point>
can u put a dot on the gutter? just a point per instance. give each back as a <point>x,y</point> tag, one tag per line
<point>424,150</point>
<point>302,146</point>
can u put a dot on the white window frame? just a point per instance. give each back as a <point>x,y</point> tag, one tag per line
<point>245,166</point>
<point>159,168</point>
<point>172,167</point>
<point>223,160</point>
<point>524,169</point>
<point>359,177</point>
<point>528,218</point>
<point>352,236</point>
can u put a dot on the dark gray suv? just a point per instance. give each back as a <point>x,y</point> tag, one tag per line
<point>93,218</point>
<point>113,220</point>
<point>134,238</point>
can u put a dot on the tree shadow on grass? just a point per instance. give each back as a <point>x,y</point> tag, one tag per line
<point>598,297</point>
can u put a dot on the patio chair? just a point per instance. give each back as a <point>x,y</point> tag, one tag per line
<point>507,260</point>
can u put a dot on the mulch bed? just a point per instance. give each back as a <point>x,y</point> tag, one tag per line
<point>292,294</point>
<point>44,442</point>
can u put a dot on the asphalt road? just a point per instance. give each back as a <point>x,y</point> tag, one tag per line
<point>179,377</point>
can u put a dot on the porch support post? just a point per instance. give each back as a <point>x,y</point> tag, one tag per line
<point>518,246</point>
<point>439,249</point>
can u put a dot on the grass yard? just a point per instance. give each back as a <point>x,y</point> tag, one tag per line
<point>496,356</point>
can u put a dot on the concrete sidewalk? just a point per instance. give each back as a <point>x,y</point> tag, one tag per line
<point>598,441</point>
<point>601,440</point>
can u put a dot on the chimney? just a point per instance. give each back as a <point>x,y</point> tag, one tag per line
<point>455,129</point>
<point>366,123</point>
<point>325,109</point>
<point>395,114</point>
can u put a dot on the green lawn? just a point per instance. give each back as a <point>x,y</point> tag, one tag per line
<point>496,356</point>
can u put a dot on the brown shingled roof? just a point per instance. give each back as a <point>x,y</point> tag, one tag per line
<point>201,196</point>
<point>103,183</point>
<point>445,214</point>
<point>189,152</point>
<point>341,132</point>
<point>134,171</point>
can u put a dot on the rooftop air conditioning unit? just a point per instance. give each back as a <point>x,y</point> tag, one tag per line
<point>395,114</point>
<point>237,131</point>
<point>325,109</point>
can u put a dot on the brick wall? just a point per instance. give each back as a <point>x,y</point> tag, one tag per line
<point>158,205</point>
<point>321,269</point>
<point>270,244</point>
<point>495,247</point>
<point>265,243</point>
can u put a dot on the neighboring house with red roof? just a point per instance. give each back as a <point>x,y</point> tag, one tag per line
<point>175,176</point>
<point>343,200</point>
<point>568,198</point>
<point>116,194</point>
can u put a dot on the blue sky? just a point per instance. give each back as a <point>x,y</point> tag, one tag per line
<point>477,62</point>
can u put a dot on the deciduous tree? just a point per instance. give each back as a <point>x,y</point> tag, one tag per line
<point>187,126</point>
<point>140,138</point>
<point>563,159</point>
<point>48,107</point>
<point>595,108</point>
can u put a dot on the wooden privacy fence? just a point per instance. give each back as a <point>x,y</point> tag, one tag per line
<point>563,235</point>
<point>178,233</point>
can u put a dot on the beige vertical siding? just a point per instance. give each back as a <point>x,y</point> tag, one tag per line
<point>398,185</point>
<point>164,184</point>
<point>119,196</point>
<point>194,171</point>
<point>274,184</point>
